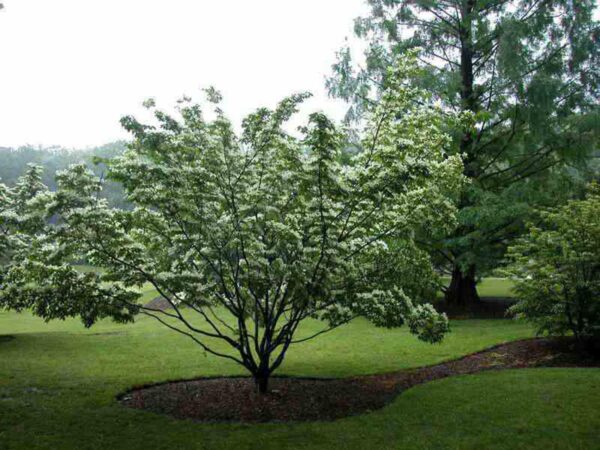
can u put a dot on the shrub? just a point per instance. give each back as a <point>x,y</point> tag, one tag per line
<point>557,270</point>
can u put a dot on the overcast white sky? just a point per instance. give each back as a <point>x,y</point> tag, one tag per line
<point>71,68</point>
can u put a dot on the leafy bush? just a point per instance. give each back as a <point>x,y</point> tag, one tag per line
<point>557,270</point>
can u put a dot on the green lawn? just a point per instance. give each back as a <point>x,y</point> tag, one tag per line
<point>58,383</point>
<point>495,287</point>
<point>491,287</point>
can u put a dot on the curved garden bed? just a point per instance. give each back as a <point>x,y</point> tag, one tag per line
<point>234,399</point>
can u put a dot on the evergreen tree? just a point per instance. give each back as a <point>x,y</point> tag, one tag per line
<point>527,70</point>
<point>21,215</point>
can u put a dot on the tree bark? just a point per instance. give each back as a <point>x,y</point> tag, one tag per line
<point>467,92</point>
<point>262,383</point>
<point>262,374</point>
<point>463,287</point>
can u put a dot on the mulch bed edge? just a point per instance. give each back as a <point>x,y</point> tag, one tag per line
<point>227,399</point>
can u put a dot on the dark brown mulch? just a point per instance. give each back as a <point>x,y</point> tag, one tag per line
<point>306,399</point>
<point>159,303</point>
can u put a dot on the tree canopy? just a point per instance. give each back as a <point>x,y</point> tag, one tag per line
<point>247,236</point>
<point>527,69</point>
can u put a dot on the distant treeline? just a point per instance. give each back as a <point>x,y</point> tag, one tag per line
<point>13,163</point>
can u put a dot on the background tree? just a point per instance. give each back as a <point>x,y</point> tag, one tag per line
<point>246,237</point>
<point>54,159</point>
<point>527,70</point>
<point>21,215</point>
<point>557,270</point>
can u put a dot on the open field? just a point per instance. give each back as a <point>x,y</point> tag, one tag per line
<point>58,384</point>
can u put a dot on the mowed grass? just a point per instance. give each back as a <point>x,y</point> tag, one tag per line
<point>491,287</point>
<point>495,287</point>
<point>58,384</point>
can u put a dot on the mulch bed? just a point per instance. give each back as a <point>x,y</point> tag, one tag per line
<point>311,399</point>
<point>159,303</point>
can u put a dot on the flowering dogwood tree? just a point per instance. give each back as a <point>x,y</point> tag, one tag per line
<point>246,236</point>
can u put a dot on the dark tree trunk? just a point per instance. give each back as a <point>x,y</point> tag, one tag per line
<point>262,375</point>
<point>262,384</point>
<point>467,93</point>
<point>469,100</point>
<point>463,287</point>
